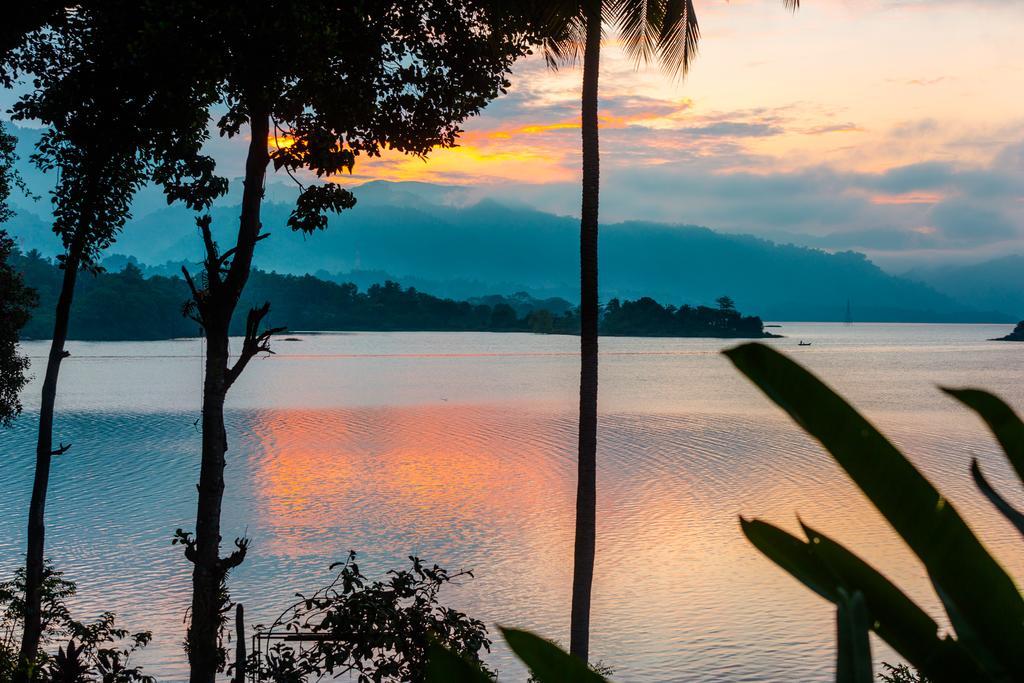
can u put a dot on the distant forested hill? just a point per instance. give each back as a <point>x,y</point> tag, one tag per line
<point>128,305</point>
<point>994,284</point>
<point>407,232</point>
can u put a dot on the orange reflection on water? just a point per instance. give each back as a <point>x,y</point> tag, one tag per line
<point>430,472</point>
<point>298,461</point>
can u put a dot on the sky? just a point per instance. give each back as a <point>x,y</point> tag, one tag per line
<point>890,127</point>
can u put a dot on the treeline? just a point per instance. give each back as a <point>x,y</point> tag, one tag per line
<point>645,317</point>
<point>127,305</point>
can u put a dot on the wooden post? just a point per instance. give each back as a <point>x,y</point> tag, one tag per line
<point>240,644</point>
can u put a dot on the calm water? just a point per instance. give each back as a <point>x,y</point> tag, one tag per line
<point>460,448</point>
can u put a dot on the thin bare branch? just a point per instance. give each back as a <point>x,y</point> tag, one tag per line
<point>61,450</point>
<point>255,342</point>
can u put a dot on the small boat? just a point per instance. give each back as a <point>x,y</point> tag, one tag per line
<point>803,343</point>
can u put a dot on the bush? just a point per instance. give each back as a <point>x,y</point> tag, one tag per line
<point>377,631</point>
<point>86,651</point>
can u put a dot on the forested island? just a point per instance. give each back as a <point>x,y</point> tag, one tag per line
<point>127,305</point>
<point>1017,335</point>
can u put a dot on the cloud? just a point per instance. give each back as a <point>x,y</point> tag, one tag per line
<point>933,208</point>
<point>734,129</point>
<point>965,222</point>
<point>834,128</point>
<point>929,175</point>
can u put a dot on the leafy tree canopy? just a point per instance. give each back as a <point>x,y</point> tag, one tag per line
<point>122,99</point>
<point>339,80</point>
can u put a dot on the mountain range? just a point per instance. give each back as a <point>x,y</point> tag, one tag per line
<point>448,241</point>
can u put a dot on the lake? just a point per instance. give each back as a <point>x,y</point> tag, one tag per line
<point>460,448</point>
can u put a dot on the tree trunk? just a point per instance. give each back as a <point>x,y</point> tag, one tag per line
<point>586,486</point>
<point>209,568</point>
<point>206,575</point>
<point>34,555</point>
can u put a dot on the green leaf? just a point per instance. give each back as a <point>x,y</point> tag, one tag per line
<point>1011,513</point>
<point>825,567</point>
<point>895,617</point>
<point>853,654</point>
<point>1000,418</point>
<point>970,581</point>
<point>548,662</point>
<point>793,555</point>
<point>444,666</point>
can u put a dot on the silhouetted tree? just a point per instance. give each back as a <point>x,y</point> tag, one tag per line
<point>662,29</point>
<point>725,303</point>
<point>115,107</point>
<point>16,300</point>
<point>667,28</point>
<point>503,317</point>
<point>315,84</point>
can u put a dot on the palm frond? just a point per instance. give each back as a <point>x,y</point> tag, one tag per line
<point>639,23</point>
<point>679,37</point>
<point>563,32</point>
<point>665,30</point>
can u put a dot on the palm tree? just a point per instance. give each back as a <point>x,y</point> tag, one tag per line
<point>665,30</point>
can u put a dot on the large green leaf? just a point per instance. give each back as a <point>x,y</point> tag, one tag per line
<point>1011,513</point>
<point>444,666</point>
<point>548,662</point>
<point>1000,418</point>
<point>971,583</point>
<point>853,651</point>
<point>792,554</point>
<point>895,617</point>
<point>825,567</point>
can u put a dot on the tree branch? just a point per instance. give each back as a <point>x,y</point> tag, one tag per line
<point>255,342</point>
<point>235,558</point>
<point>61,450</point>
<point>230,252</point>
<point>198,298</point>
<point>213,259</point>
<point>188,542</point>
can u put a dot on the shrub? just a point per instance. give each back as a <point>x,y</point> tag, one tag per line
<point>369,630</point>
<point>86,651</point>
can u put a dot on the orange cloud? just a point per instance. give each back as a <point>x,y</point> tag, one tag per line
<point>907,198</point>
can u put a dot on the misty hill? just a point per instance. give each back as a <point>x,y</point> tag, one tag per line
<point>434,238</point>
<point>151,308</point>
<point>994,284</point>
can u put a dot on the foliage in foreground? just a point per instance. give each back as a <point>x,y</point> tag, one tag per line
<point>369,630</point>
<point>547,663</point>
<point>900,673</point>
<point>85,651</point>
<point>981,600</point>
<point>16,301</point>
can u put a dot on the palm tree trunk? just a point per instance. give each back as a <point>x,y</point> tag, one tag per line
<point>586,486</point>
<point>34,562</point>
<point>209,569</point>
